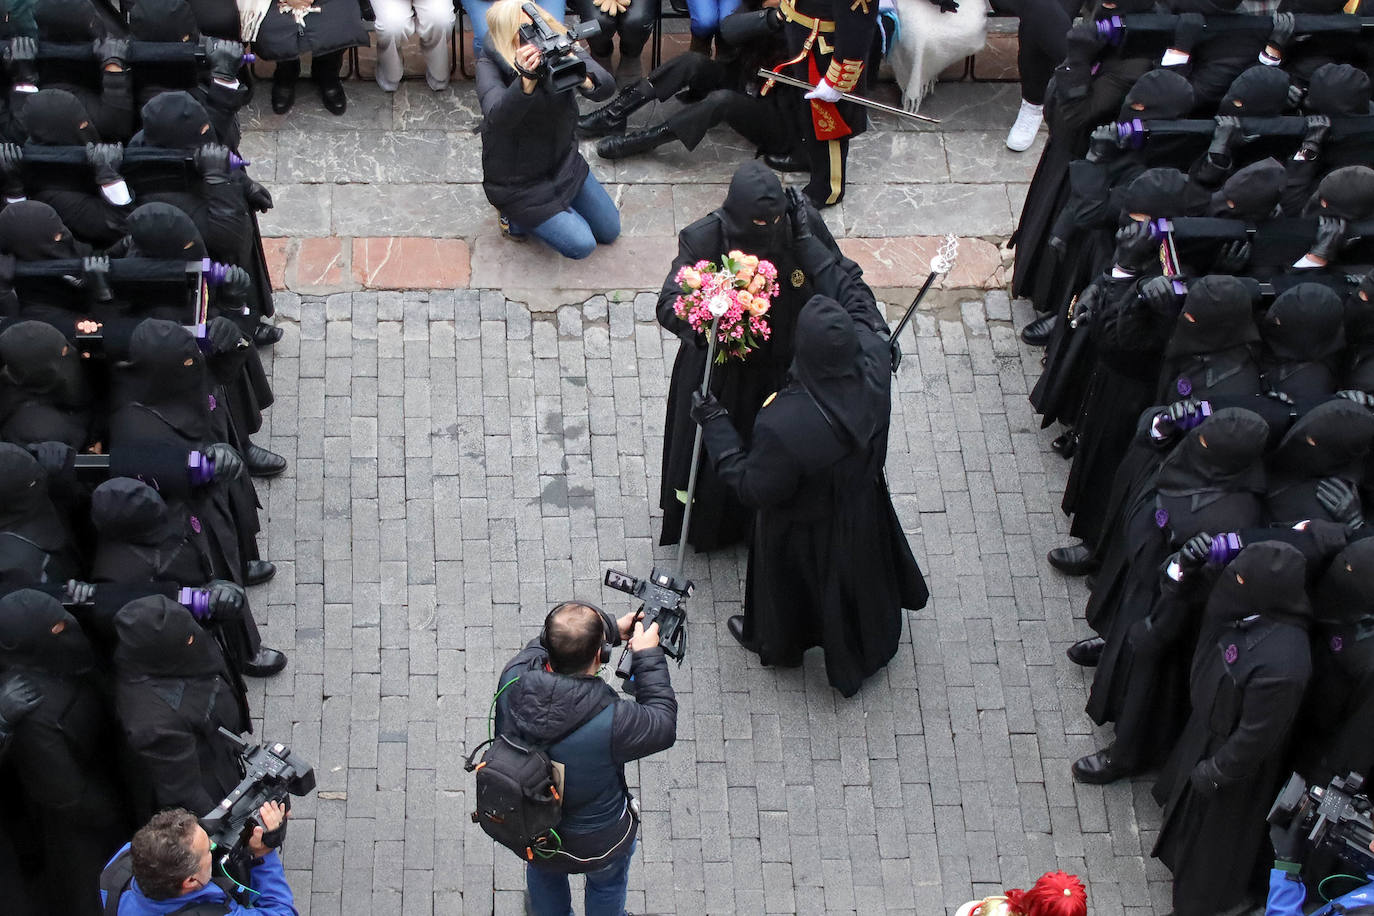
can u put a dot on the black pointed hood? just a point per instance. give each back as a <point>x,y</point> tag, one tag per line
<point>160,638</point>
<point>37,634</point>
<point>755,194</point>
<point>1252,194</point>
<point>175,120</point>
<point>1346,192</point>
<point>1259,92</point>
<point>32,231</point>
<point>1268,578</point>
<point>1157,94</point>
<point>38,360</point>
<point>1213,478</point>
<point>160,230</point>
<point>1345,592</point>
<point>1338,91</point>
<point>163,20</point>
<point>25,507</point>
<point>829,361</point>
<point>1217,314</point>
<point>68,21</point>
<point>55,117</point>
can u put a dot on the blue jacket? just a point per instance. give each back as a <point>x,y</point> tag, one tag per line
<point>273,897</point>
<point>1286,898</point>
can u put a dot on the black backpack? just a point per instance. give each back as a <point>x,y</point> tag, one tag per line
<point>117,876</point>
<point>519,800</point>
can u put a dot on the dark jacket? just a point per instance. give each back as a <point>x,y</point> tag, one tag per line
<point>539,705</point>
<point>531,169</point>
<point>332,25</point>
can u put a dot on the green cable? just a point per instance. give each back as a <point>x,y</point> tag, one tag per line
<point>1322,884</point>
<point>241,887</point>
<point>491,713</point>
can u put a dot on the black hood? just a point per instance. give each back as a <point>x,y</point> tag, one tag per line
<point>1345,192</point>
<point>1157,94</point>
<point>25,507</point>
<point>829,362</point>
<point>1259,92</point>
<point>1217,314</point>
<point>32,231</point>
<point>160,638</point>
<point>55,117</point>
<point>1251,194</point>
<point>1345,593</point>
<point>167,374</point>
<point>1158,192</point>
<point>160,230</point>
<point>1331,439</point>
<point>37,359</point>
<point>1306,323</point>
<point>68,21</point>
<point>1213,478</point>
<point>27,641</point>
<point>1338,91</point>
<point>128,510</point>
<point>163,20</point>
<point>755,194</point>
<point>1268,578</point>
<point>175,120</point>
<point>544,705</point>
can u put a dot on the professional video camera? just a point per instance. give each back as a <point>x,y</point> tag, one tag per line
<point>271,773</point>
<point>560,65</point>
<point>1335,819</point>
<point>662,595</point>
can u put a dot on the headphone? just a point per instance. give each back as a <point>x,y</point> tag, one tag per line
<point>610,630</point>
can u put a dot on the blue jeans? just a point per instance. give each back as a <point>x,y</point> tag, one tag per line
<point>477,18</point>
<point>550,894</point>
<point>707,14</point>
<point>591,218</point>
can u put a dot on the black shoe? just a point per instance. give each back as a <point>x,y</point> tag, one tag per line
<point>635,142</point>
<point>786,162</point>
<point>1077,560</point>
<point>1097,769</point>
<point>736,627</point>
<point>610,118</point>
<point>1086,652</point>
<point>264,335</point>
<point>1037,333</point>
<point>265,664</point>
<point>1065,445</point>
<point>258,572</point>
<point>283,94</point>
<point>262,463</point>
<point>332,95</point>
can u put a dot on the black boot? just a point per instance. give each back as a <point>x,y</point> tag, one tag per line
<point>787,162</point>
<point>610,118</point>
<point>635,142</point>
<point>284,85</point>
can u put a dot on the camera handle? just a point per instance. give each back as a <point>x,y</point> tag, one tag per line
<point>696,463</point>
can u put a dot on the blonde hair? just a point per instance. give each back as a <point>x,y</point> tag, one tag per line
<point>504,18</point>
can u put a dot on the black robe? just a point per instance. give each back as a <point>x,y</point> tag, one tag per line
<point>829,564</point>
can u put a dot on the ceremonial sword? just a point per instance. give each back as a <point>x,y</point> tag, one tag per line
<point>847,96</point>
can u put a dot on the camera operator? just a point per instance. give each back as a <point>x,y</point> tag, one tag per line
<point>532,172</point>
<point>1286,890</point>
<point>172,870</point>
<point>550,694</point>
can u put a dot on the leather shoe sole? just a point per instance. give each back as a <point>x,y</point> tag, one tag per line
<point>265,664</point>
<point>1097,769</point>
<point>1087,652</point>
<point>1077,560</point>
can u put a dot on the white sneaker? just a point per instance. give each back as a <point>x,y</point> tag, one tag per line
<point>1028,121</point>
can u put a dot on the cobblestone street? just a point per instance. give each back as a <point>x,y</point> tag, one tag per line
<point>461,460</point>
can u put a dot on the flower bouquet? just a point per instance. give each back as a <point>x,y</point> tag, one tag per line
<point>739,292</point>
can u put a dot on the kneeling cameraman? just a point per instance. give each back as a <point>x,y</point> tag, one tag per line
<point>1287,893</point>
<point>173,871</point>
<point>550,694</point>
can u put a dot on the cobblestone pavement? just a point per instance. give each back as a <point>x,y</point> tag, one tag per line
<point>457,466</point>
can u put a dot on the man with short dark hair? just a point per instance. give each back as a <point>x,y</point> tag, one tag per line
<point>173,870</point>
<point>550,696</point>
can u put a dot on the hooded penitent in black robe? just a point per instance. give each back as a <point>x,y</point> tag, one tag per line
<point>829,564</point>
<point>1359,332</point>
<point>1304,335</point>
<point>718,518</point>
<point>1332,440</point>
<point>63,753</point>
<point>1210,482</point>
<point>35,543</point>
<point>32,231</point>
<point>1212,351</point>
<point>43,392</point>
<point>174,691</point>
<point>107,96</point>
<point>1251,667</point>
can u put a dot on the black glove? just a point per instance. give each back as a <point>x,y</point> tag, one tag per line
<point>238,283</point>
<point>1295,95</point>
<point>1364,398</point>
<point>96,270</point>
<point>21,61</point>
<point>1136,247</point>
<point>228,462</point>
<point>1178,416</point>
<point>896,356</point>
<point>55,458</point>
<point>706,408</point>
<point>18,697</point>
<point>258,197</point>
<point>1281,35</point>
<point>1187,30</point>
<point>1330,238</point>
<point>12,170</point>
<point>112,50</point>
<point>1318,126</point>
<point>227,599</point>
<point>1104,143</point>
<point>224,336</point>
<point>1224,137</point>
<point>1287,841</point>
<point>1206,779</point>
<point>105,160</point>
<point>1158,293</point>
<point>1194,552</point>
<point>1084,43</point>
<point>212,162</point>
<point>797,215</point>
<point>1232,257</point>
<point>1341,499</point>
<point>225,57</point>
<point>79,592</point>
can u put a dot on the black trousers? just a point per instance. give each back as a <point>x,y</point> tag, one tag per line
<point>758,120</point>
<point>1041,37</point>
<point>633,26</point>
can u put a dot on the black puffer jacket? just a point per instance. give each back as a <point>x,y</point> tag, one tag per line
<point>542,707</point>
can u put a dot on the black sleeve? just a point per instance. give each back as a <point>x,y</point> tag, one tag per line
<point>224,219</point>
<point>744,26</point>
<point>171,765</point>
<point>504,105</point>
<point>649,724</point>
<point>90,216</point>
<point>1268,707</point>
<point>532,655</point>
<point>668,294</point>
<point>603,84</point>
<point>766,475</point>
